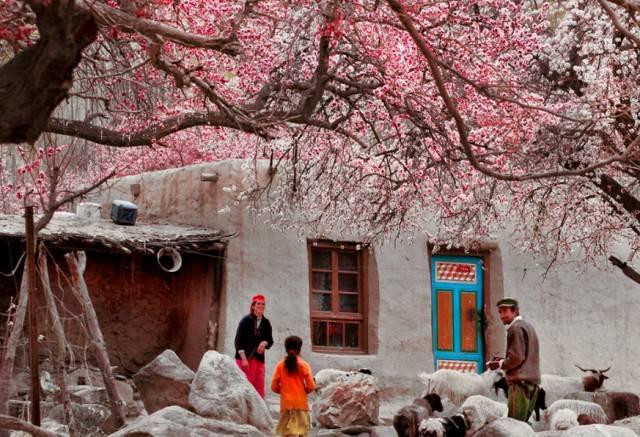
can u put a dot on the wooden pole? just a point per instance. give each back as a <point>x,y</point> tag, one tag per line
<point>77,262</point>
<point>33,317</point>
<point>60,340</point>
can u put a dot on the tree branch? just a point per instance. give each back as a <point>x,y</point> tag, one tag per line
<point>108,16</point>
<point>629,271</point>
<point>8,422</point>
<point>146,136</point>
<point>432,61</point>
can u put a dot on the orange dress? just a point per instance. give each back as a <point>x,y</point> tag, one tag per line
<point>293,389</point>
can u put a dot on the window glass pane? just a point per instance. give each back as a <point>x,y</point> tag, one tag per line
<point>321,259</point>
<point>335,334</point>
<point>320,333</point>
<point>348,303</point>
<point>321,301</point>
<point>321,281</point>
<point>348,261</point>
<point>348,282</point>
<point>351,334</point>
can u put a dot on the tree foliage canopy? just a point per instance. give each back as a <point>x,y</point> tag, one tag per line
<point>452,118</point>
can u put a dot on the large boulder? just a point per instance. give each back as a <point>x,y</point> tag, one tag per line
<point>88,418</point>
<point>176,421</point>
<point>350,401</point>
<point>163,382</point>
<point>220,390</point>
<point>617,405</point>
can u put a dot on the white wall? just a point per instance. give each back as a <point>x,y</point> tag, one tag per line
<point>586,318</point>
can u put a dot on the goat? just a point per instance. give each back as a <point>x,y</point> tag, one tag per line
<point>558,386</point>
<point>454,426</point>
<point>325,377</point>
<point>479,410</point>
<point>580,407</point>
<point>458,386</point>
<point>595,380</point>
<point>505,427</point>
<point>408,418</point>
<point>599,431</point>
<point>541,400</point>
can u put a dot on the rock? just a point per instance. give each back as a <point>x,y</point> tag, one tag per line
<point>616,404</point>
<point>549,433</point>
<point>48,425</point>
<point>88,418</point>
<point>383,431</point>
<point>220,390</point>
<point>348,402</point>
<point>163,382</point>
<point>176,421</point>
<point>90,395</point>
<point>633,423</point>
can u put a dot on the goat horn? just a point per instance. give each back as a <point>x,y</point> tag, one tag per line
<point>606,370</point>
<point>584,370</point>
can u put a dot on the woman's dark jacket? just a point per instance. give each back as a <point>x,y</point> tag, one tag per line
<point>249,336</point>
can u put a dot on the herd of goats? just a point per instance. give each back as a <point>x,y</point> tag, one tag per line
<point>457,404</point>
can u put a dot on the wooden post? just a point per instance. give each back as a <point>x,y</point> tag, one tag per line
<point>60,341</point>
<point>76,268</point>
<point>10,346</point>
<point>33,317</point>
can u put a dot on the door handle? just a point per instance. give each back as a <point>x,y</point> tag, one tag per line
<point>471,315</point>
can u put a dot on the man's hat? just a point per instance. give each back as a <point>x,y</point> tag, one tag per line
<point>257,298</point>
<point>507,302</point>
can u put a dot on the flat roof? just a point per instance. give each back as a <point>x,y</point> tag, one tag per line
<point>69,231</point>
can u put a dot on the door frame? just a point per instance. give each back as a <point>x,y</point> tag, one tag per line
<point>482,260</point>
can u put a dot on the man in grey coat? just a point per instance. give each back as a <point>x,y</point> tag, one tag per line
<point>521,362</point>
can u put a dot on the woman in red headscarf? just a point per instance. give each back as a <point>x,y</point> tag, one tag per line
<point>253,337</point>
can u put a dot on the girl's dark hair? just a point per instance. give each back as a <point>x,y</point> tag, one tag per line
<point>293,346</point>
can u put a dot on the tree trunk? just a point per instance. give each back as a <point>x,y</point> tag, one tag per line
<point>10,346</point>
<point>36,80</point>
<point>77,262</point>
<point>60,341</point>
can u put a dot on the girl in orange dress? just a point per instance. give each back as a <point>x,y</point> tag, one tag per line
<point>293,380</point>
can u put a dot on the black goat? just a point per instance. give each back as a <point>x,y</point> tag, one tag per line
<point>408,418</point>
<point>454,426</point>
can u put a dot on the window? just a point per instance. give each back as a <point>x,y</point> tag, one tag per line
<point>337,286</point>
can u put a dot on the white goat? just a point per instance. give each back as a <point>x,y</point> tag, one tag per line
<point>557,386</point>
<point>591,409</point>
<point>599,431</point>
<point>325,377</point>
<point>563,419</point>
<point>458,386</point>
<point>479,410</point>
<point>505,427</point>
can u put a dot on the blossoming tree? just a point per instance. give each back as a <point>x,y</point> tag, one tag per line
<point>380,117</point>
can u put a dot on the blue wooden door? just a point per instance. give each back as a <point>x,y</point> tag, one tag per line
<point>457,305</point>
